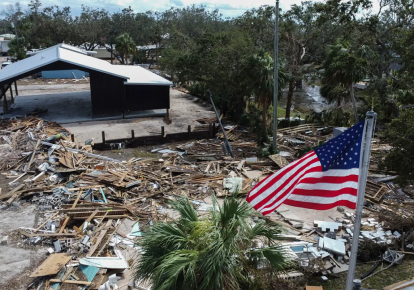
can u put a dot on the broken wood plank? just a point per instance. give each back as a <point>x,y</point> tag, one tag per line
<point>70,282</point>
<point>33,155</point>
<point>48,235</point>
<point>51,265</point>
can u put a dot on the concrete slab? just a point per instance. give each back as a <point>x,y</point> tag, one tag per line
<point>70,104</point>
<point>68,107</point>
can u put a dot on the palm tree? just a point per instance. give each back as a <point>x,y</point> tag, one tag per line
<point>125,46</point>
<point>259,78</point>
<point>220,251</point>
<point>343,68</point>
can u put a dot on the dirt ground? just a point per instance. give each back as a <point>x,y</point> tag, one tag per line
<point>18,259</point>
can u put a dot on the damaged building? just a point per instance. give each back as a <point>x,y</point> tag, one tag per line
<point>115,90</point>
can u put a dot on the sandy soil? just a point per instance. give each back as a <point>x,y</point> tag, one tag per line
<point>17,259</point>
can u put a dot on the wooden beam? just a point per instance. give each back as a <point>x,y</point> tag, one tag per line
<point>33,155</point>
<point>5,108</point>
<point>15,88</point>
<point>58,235</point>
<point>70,282</point>
<point>11,94</point>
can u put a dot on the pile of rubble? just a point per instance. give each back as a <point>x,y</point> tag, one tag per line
<point>94,207</point>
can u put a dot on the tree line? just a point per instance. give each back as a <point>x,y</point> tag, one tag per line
<point>333,43</point>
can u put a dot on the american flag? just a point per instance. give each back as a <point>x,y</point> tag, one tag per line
<point>322,179</point>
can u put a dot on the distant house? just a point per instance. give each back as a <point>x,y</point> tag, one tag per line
<point>4,43</point>
<point>102,52</point>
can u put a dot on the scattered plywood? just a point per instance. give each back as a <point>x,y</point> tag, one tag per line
<point>252,174</point>
<point>51,265</point>
<point>279,160</point>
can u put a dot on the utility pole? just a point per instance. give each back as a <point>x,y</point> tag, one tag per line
<point>275,76</point>
<point>362,182</point>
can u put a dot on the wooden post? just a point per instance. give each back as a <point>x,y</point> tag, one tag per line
<point>11,93</point>
<point>103,140</point>
<point>189,132</point>
<point>162,134</point>
<point>72,137</point>
<point>132,134</point>
<point>5,109</point>
<point>15,88</point>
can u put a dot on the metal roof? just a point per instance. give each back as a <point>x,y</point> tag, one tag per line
<point>139,75</point>
<point>70,54</point>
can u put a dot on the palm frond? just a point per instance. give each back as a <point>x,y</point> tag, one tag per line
<point>185,208</point>
<point>265,230</point>
<point>274,255</point>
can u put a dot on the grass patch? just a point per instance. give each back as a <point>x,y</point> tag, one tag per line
<point>385,278</point>
<point>143,154</point>
<point>281,112</point>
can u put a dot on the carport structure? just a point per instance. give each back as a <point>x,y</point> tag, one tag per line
<point>115,89</point>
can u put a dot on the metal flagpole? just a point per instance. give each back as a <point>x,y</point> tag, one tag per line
<point>275,76</point>
<point>363,174</point>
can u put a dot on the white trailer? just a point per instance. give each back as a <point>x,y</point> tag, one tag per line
<point>4,47</point>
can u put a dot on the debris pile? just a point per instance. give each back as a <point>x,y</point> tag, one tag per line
<point>93,207</point>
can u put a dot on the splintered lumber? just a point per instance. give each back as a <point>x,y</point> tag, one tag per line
<point>97,213</point>
<point>45,222</point>
<point>202,179</point>
<point>68,218</point>
<point>55,235</point>
<point>33,155</point>
<point>70,282</point>
<point>67,160</point>
<point>99,239</point>
<point>107,238</point>
<point>12,192</point>
<point>51,265</point>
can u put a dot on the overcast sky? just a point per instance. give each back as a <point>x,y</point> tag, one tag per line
<point>227,7</point>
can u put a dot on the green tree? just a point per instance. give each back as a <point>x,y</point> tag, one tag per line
<point>344,67</point>
<point>217,252</point>
<point>125,46</point>
<point>259,78</point>
<point>400,135</point>
<point>91,27</point>
<point>17,49</point>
